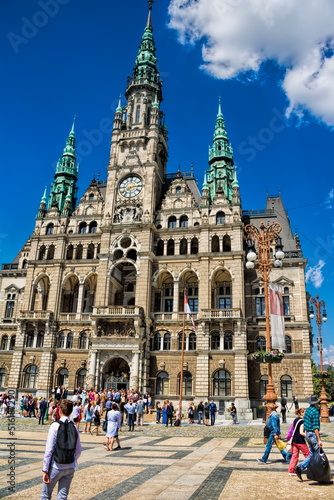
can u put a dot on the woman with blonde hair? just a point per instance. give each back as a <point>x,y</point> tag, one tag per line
<point>297,441</point>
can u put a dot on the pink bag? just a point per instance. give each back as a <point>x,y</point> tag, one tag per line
<point>289,434</point>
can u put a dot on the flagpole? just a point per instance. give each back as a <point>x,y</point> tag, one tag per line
<point>182,354</point>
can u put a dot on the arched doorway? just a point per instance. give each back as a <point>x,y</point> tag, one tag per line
<point>116,374</point>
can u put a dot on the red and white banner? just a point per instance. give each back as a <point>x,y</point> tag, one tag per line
<point>276,317</point>
<point>188,311</point>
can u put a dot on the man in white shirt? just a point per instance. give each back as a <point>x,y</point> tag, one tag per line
<point>54,472</point>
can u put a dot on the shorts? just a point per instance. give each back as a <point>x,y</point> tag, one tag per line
<point>76,419</point>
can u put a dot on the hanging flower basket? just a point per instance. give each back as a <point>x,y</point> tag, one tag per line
<point>321,375</point>
<point>273,356</point>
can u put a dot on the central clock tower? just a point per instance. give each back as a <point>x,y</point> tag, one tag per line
<point>138,155</point>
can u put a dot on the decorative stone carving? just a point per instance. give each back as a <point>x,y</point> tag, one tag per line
<point>221,363</point>
<point>115,329</point>
<point>128,211</point>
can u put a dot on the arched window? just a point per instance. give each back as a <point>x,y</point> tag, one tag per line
<point>223,295</point>
<point>180,341</point>
<point>286,386</point>
<point>30,377</point>
<point>286,301</point>
<point>10,304</point>
<point>192,341</point>
<point>222,383</point>
<point>160,247</point>
<point>93,227</point>
<point>79,252</point>
<point>178,190</point>
<point>184,221</point>
<point>40,340</point>
<point>288,344</point>
<point>167,339</point>
<point>90,251</point>
<point>215,341</point>
<point>24,264</point>
<point>91,197</point>
<point>263,385</point>
<point>2,377</point>
<point>82,228</point>
<point>228,341</point>
<point>69,342</point>
<point>260,306</point>
<point>51,252</point>
<point>220,218</point>
<point>41,253</point>
<point>261,343</point>
<point>81,378</point>
<point>61,340</point>
<point>215,244</point>
<point>171,222</point>
<point>157,342</point>
<point>62,377</point>
<point>69,252</point>
<point>30,339</point>
<point>194,246</point>
<point>49,229</point>
<point>83,340</point>
<point>12,342</point>
<point>162,384</point>
<point>226,243</point>
<point>4,343</point>
<point>170,247</point>
<point>132,254</point>
<point>183,246</point>
<point>187,384</point>
<point>137,118</point>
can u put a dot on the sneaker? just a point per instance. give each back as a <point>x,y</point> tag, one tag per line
<point>118,448</point>
<point>298,472</point>
<point>260,461</point>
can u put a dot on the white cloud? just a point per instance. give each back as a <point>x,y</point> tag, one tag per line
<point>314,274</point>
<point>237,37</point>
<point>330,199</point>
<point>328,355</point>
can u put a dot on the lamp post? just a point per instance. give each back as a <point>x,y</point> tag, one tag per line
<point>321,317</point>
<point>265,237</point>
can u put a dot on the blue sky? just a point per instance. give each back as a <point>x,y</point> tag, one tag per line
<point>66,57</point>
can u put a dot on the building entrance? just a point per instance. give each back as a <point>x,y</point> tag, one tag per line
<point>116,374</point>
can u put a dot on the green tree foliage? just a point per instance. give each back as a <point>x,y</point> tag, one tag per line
<point>329,381</point>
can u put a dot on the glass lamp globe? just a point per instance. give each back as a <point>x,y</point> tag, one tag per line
<point>250,265</point>
<point>279,254</point>
<point>251,256</point>
<point>311,315</point>
<point>278,263</point>
<point>324,319</point>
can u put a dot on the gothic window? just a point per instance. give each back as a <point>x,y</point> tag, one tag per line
<point>194,246</point>
<point>79,252</point>
<point>130,287</point>
<point>83,340</point>
<point>24,264</point>
<point>61,340</point>
<point>178,190</point>
<point>69,252</point>
<point>4,343</point>
<point>187,382</point>
<point>132,254</point>
<point>69,343</point>
<point>263,385</point>
<point>82,228</point>
<point>286,386</point>
<point>215,341</point>
<point>220,218</point>
<point>12,342</point>
<point>260,307</point>
<point>160,247</point>
<point>137,118</point>
<point>9,311</point>
<point>224,298</point>
<point>30,339</point>
<point>148,116</point>
<point>261,343</point>
<point>41,253</point>
<point>183,246</point>
<point>70,294</point>
<point>91,197</point>
<point>93,227</point>
<point>286,301</point>
<point>170,247</point>
<point>180,341</point>
<point>162,383</point>
<point>215,244</point>
<point>157,342</point>
<point>167,339</point>
<point>192,295</point>
<point>222,383</point>
<point>30,377</point>
<point>90,251</point>
<point>226,243</point>
<point>49,229</point>
<point>62,377</point>
<point>51,252</point>
<point>192,341</point>
<point>2,377</point>
<point>183,221</point>
<point>40,340</point>
<point>118,254</point>
<point>228,341</point>
<point>81,378</point>
<point>288,344</point>
<point>171,222</point>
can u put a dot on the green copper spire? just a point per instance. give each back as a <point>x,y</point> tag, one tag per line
<point>43,200</point>
<point>66,175</point>
<point>205,182</point>
<point>119,108</point>
<point>221,146</point>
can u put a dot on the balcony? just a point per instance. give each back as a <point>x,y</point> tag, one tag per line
<point>173,316</point>
<point>221,313</point>
<point>117,311</point>
<point>73,317</point>
<point>45,315</point>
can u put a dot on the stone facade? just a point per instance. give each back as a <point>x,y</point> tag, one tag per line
<point>96,295</point>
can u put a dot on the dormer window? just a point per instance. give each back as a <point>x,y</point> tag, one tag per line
<point>178,190</point>
<point>91,197</point>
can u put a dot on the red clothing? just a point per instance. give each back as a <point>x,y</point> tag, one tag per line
<point>296,448</point>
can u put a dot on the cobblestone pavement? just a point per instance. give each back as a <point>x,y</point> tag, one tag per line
<point>191,462</point>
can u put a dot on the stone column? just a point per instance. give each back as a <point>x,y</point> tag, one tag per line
<point>176,292</point>
<point>80,299</point>
<point>92,369</point>
<point>134,379</point>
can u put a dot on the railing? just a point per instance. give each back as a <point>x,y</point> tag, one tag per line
<point>221,313</point>
<point>36,315</point>
<point>173,316</point>
<point>118,311</point>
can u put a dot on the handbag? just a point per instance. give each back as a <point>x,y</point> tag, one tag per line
<point>318,468</point>
<point>280,444</point>
<point>105,426</point>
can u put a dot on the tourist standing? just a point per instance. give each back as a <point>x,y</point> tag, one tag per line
<point>213,411</point>
<point>114,424</point>
<point>200,412</point>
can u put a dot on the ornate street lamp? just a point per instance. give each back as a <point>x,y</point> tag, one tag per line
<point>265,237</point>
<point>321,317</point>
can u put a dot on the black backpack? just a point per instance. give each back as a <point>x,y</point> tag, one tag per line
<point>66,443</point>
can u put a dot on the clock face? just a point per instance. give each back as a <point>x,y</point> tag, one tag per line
<point>130,186</point>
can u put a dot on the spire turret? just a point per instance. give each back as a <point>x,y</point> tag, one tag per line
<point>42,205</point>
